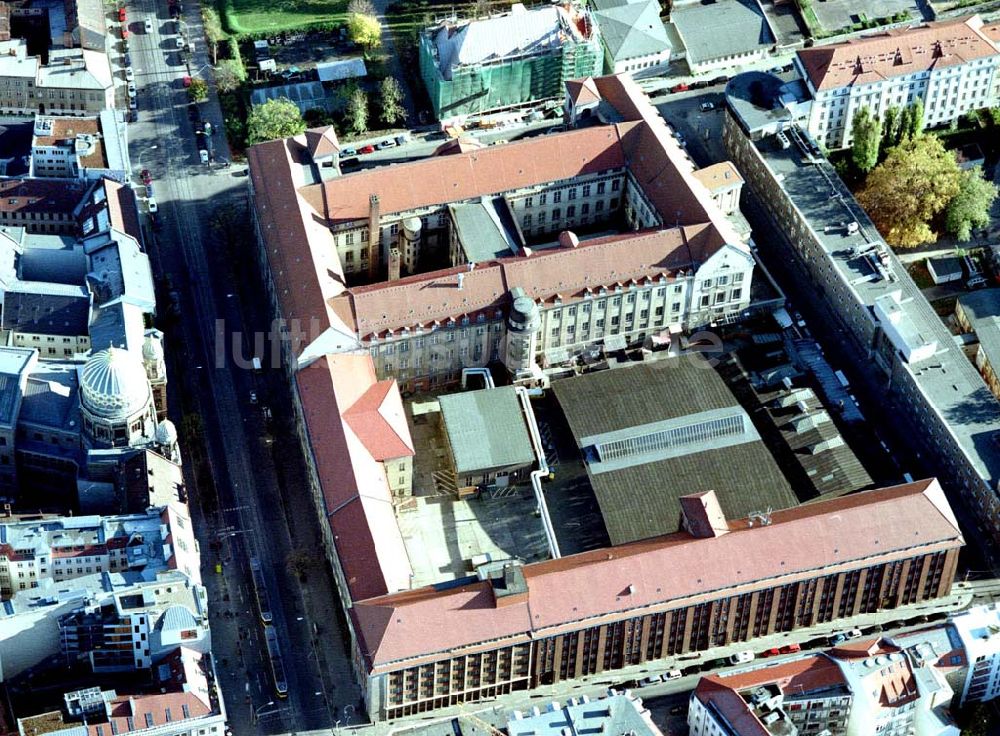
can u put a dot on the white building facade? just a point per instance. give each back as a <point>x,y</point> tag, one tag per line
<point>893,70</point>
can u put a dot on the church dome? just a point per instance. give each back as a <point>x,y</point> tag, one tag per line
<point>113,384</point>
<point>166,433</point>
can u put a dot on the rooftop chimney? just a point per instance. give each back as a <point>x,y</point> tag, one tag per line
<point>395,264</point>
<point>701,515</point>
<point>374,237</point>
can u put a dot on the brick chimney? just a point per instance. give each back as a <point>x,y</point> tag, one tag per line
<point>395,264</point>
<point>701,515</point>
<point>374,237</point>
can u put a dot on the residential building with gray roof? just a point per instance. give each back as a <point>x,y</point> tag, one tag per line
<point>953,419</point>
<point>632,34</point>
<point>978,313</point>
<point>722,34</point>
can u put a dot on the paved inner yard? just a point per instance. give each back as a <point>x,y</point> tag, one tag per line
<point>442,532</point>
<point>837,14</point>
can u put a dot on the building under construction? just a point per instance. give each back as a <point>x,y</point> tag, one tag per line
<point>511,60</point>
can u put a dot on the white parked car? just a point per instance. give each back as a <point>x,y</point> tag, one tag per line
<point>179,41</point>
<point>203,154</point>
<point>651,680</point>
<point>741,657</point>
<point>152,206</point>
<point>148,25</point>
<point>131,89</point>
<point>129,74</point>
<point>673,675</point>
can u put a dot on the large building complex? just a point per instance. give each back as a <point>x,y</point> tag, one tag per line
<point>952,414</point>
<point>75,81</point>
<point>513,60</point>
<point>950,65</point>
<point>599,611</point>
<point>532,256</point>
<point>529,253</point>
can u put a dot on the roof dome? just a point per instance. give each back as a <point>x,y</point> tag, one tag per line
<point>113,384</point>
<point>152,348</point>
<point>166,433</point>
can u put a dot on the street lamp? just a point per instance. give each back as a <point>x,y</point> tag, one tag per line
<point>256,713</point>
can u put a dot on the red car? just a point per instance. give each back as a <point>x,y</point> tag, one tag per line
<point>773,651</point>
<point>791,648</point>
<point>147,178</point>
<point>367,149</point>
<point>121,15</point>
<point>124,33</point>
<point>187,81</point>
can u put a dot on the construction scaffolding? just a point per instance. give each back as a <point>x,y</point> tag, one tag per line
<point>525,73</point>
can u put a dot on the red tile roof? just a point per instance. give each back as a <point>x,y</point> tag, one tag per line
<point>582,91</point>
<point>661,573</point>
<point>156,706</point>
<point>897,52</point>
<point>733,708</point>
<point>567,272</point>
<point>797,676</point>
<point>379,421</point>
<point>355,489</point>
<point>440,180</point>
<point>322,141</point>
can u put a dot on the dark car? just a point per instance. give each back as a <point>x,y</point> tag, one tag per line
<point>193,112</point>
<point>350,162</point>
<point>147,177</point>
<point>133,116</point>
<point>149,191</point>
<point>400,140</point>
<point>127,60</point>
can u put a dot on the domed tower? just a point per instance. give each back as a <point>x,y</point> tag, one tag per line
<point>523,324</point>
<point>156,370</point>
<point>116,402</point>
<point>166,440</point>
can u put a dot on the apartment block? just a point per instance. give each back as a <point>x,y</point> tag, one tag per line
<point>68,147</point>
<point>950,65</point>
<point>116,591</point>
<point>979,630</point>
<point>74,81</point>
<point>870,296</point>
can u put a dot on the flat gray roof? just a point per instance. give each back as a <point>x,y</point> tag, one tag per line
<point>644,432</point>
<point>982,309</point>
<point>486,429</point>
<point>481,231</point>
<point>723,28</point>
<point>950,384</point>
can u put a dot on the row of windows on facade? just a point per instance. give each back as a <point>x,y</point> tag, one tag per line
<point>571,193</point>
<point>556,213</point>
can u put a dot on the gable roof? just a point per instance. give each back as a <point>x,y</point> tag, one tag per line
<point>379,421</point>
<point>322,142</point>
<point>897,52</point>
<point>582,91</point>
<point>663,573</point>
<point>631,29</point>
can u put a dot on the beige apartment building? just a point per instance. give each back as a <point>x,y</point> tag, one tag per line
<point>74,82</point>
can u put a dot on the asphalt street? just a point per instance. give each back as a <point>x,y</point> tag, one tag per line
<point>187,250</point>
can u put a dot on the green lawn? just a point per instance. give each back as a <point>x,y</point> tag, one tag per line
<point>244,17</point>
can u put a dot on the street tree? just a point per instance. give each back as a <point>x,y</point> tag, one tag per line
<point>911,123</point>
<point>890,129</point>
<point>970,208</point>
<point>391,101</point>
<point>356,115</point>
<point>227,75</point>
<point>213,30</point>
<point>364,30</point>
<point>866,132</point>
<point>277,118</point>
<point>198,91</point>
<point>917,180</point>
